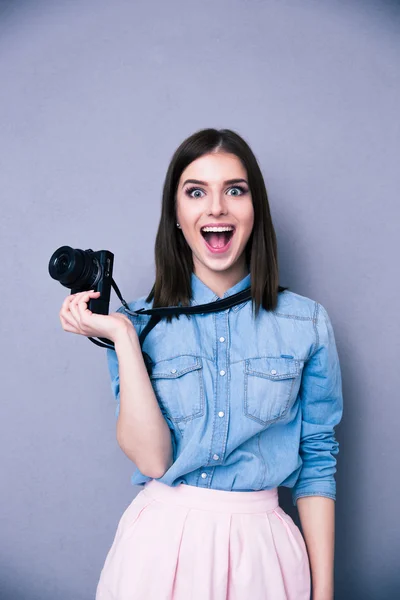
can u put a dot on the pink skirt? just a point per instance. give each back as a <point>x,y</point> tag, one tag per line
<point>189,543</point>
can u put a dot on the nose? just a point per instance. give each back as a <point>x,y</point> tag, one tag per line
<point>216,204</point>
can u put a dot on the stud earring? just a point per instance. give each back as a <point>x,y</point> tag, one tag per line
<point>178,225</point>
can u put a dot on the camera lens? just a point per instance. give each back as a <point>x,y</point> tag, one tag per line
<point>61,264</point>
<point>74,268</point>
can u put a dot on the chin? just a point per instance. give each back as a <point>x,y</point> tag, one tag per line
<point>219,266</point>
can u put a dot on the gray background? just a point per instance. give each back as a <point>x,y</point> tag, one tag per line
<point>94,99</point>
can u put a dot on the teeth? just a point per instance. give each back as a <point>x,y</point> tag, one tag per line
<point>217,229</point>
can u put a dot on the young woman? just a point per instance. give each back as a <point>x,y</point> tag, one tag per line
<point>229,405</point>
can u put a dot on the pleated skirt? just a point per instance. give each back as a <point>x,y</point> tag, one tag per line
<point>190,543</point>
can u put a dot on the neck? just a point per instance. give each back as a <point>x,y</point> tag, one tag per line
<point>221,281</point>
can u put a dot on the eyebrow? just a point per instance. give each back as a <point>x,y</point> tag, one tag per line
<point>228,181</point>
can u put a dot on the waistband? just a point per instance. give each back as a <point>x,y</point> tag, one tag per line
<point>213,500</point>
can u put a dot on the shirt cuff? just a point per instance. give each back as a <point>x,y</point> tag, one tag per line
<point>327,490</point>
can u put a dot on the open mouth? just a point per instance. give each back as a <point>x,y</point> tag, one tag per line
<point>218,238</point>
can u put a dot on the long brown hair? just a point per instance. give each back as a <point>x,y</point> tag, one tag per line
<point>173,256</point>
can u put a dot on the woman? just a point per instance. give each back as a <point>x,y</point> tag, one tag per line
<point>231,405</point>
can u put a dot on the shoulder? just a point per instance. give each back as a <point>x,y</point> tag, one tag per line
<point>136,304</point>
<point>292,305</point>
<point>138,321</point>
<point>295,306</point>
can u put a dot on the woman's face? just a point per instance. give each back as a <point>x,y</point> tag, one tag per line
<point>215,212</point>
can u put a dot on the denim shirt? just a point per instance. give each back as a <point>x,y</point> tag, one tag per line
<point>251,403</point>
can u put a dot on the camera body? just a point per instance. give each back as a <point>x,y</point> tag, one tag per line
<point>102,284</point>
<point>84,270</point>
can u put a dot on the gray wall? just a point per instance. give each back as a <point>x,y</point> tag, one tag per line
<point>94,99</point>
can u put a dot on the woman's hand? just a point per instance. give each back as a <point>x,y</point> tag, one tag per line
<point>77,318</point>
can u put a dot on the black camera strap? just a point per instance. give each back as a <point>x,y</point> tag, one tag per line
<point>200,309</point>
<point>156,314</point>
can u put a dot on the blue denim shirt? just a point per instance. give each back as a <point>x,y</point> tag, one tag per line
<point>251,403</point>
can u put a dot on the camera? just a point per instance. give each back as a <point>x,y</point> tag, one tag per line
<point>84,270</point>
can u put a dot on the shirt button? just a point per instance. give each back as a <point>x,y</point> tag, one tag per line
<point>221,339</point>
<point>204,475</point>
<point>216,457</point>
<point>222,373</point>
<point>173,370</point>
<point>273,372</point>
<point>221,413</point>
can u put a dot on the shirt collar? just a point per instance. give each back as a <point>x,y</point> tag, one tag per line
<point>201,294</point>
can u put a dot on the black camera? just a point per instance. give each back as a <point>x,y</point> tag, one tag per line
<point>84,270</point>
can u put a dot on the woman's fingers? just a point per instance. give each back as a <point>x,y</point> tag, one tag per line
<point>83,311</point>
<point>67,323</point>
<point>65,306</point>
<point>74,311</point>
<point>83,302</point>
<point>65,315</point>
<point>79,304</point>
<point>67,326</point>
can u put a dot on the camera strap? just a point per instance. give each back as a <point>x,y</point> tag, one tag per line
<point>200,309</point>
<point>156,314</point>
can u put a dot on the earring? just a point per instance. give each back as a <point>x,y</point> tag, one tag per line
<point>178,225</point>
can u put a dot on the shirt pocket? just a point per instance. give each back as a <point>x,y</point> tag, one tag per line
<point>178,385</point>
<point>270,387</point>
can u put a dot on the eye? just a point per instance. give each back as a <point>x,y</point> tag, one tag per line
<point>237,190</point>
<point>194,192</point>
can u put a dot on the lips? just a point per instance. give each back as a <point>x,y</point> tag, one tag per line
<point>218,238</point>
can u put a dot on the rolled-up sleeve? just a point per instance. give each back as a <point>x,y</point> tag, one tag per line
<point>321,399</point>
<point>112,362</point>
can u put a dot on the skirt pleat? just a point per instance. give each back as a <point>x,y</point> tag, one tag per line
<point>188,543</point>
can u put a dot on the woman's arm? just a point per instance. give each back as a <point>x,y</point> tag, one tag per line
<point>315,490</point>
<point>317,516</point>
<point>142,432</point>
